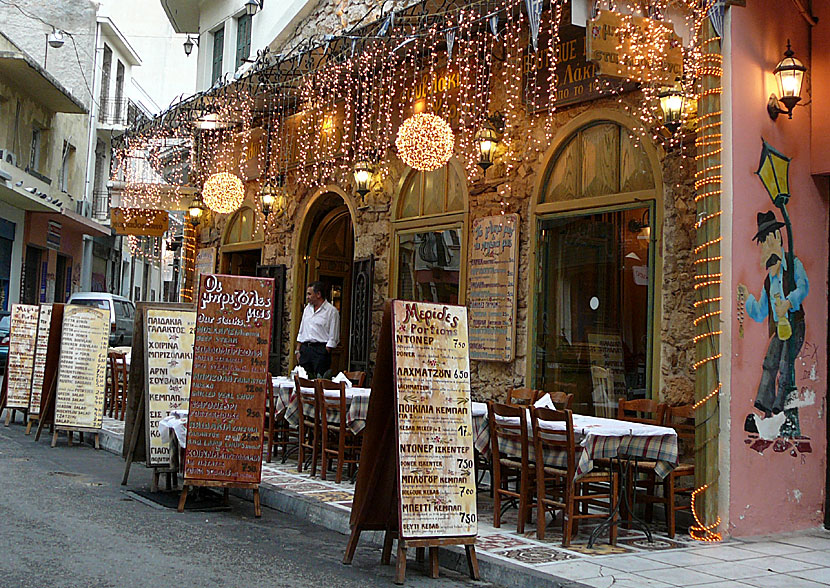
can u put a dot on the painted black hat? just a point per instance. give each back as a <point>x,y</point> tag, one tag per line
<point>767,223</point>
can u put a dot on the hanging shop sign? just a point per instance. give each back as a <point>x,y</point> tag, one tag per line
<point>169,336</point>
<point>435,90</point>
<point>635,48</point>
<point>436,477</point>
<point>82,371</point>
<point>140,222</point>
<point>53,235</point>
<point>22,340</point>
<point>229,378</point>
<point>491,298</point>
<point>575,79</point>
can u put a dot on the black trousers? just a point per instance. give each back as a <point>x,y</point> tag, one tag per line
<point>315,359</point>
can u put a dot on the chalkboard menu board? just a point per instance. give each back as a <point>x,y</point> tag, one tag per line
<point>494,255</point>
<point>169,337</point>
<point>22,338</point>
<point>82,371</point>
<point>437,490</point>
<point>228,386</point>
<point>44,324</point>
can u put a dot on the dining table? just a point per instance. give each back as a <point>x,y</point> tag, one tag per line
<point>285,399</point>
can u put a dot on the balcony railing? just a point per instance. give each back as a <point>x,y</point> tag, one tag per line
<point>113,111</point>
<point>101,205</point>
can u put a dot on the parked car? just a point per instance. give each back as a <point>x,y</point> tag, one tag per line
<point>122,313</point>
<point>5,327</point>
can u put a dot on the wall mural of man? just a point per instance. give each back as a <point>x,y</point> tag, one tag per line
<point>780,305</point>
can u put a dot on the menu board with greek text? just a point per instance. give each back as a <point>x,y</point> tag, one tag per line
<point>82,370</point>
<point>169,337</point>
<point>436,478</point>
<point>22,338</point>
<point>494,255</point>
<point>228,386</point>
<point>44,324</point>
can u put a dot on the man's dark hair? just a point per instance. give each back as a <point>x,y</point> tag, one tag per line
<point>318,287</point>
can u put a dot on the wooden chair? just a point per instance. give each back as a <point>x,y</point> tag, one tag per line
<point>278,432</point>
<point>562,400</point>
<point>682,419</point>
<point>556,487</point>
<point>601,393</point>
<point>358,378</point>
<point>339,443</point>
<point>506,468</point>
<point>523,396</point>
<point>118,384</point>
<point>309,424</point>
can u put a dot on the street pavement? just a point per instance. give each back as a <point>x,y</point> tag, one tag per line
<point>65,520</point>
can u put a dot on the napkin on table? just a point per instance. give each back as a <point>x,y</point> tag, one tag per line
<point>341,377</point>
<point>544,402</point>
<point>300,371</point>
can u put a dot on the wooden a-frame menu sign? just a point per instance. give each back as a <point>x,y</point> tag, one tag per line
<point>18,379</point>
<point>225,421</point>
<point>424,492</point>
<point>47,358</point>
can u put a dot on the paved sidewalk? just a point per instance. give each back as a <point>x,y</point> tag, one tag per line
<point>799,560</point>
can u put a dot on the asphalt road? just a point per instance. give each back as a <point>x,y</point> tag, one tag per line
<point>65,520</point>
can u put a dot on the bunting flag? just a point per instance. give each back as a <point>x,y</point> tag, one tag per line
<point>534,15</point>
<point>494,24</point>
<point>716,16</point>
<point>450,43</point>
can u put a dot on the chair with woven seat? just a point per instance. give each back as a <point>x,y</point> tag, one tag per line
<point>523,396</point>
<point>562,400</point>
<point>508,468</point>
<point>309,424</point>
<point>278,432</point>
<point>556,486</point>
<point>118,384</point>
<point>339,443</point>
<point>358,379</point>
<point>682,420</point>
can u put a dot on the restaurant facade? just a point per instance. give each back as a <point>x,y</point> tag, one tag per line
<point>623,238</point>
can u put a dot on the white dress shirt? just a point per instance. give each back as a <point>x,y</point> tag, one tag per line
<point>320,326</point>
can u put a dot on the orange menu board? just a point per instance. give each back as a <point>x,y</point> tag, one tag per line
<point>82,369</point>
<point>22,338</point>
<point>436,479</point>
<point>44,325</point>
<point>228,385</point>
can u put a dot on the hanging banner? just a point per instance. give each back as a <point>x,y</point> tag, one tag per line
<point>436,477</point>
<point>82,369</point>
<point>22,340</point>
<point>230,370</point>
<point>138,221</point>
<point>493,267</point>
<point>635,48</point>
<point>44,325</point>
<point>169,337</point>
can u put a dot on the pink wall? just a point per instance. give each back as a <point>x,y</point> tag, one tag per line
<point>72,245</point>
<point>775,484</point>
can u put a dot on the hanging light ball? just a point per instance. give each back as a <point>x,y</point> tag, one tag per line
<point>425,141</point>
<point>223,192</point>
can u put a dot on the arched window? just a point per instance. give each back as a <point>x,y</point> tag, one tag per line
<point>430,237</point>
<point>242,228</point>
<point>598,223</point>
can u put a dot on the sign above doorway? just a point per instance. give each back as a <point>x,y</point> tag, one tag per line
<point>139,222</point>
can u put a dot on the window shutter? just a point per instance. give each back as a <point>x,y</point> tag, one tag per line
<point>360,329</point>
<point>275,354</point>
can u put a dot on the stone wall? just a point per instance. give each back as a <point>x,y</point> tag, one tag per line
<point>515,184</point>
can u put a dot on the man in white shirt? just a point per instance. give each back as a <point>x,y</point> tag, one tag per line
<point>319,332</point>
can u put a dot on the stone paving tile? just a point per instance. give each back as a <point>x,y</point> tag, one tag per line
<point>536,555</point>
<point>732,570</point>
<point>633,563</point>
<point>574,570</point>
<point>328,495</point>
<point>816,575</point>
<point>679,576</point>
<point>815,557</point>
<point>782,581</point>
<point>808,541</point>
<point>499,542</point>
<point>624,581</point>
<point>782,565</point>
<point>657,544</point>
<point>727,552</point>
<point>681,558</point>
<point>773,548</point>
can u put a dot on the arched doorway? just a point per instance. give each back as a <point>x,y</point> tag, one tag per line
<point>241,248</point>
<point>598,265</point>
<point>326,251</point>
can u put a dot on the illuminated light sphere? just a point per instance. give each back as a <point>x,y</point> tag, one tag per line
<point>223,192</point>
<point>425,141</point>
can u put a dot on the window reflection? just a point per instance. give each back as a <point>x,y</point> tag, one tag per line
<point>428,266</point>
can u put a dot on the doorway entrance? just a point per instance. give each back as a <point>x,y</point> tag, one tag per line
<point>327,255</point>
<point>241,249</point>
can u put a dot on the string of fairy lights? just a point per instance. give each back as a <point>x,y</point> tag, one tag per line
<point>417,87</point>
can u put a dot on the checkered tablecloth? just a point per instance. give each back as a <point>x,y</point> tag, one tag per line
<point>285,397</point>
<point>596,438</point>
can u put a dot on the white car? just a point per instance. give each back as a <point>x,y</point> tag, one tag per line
<point>122,313</point>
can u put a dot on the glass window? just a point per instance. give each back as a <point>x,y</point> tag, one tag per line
<point>241,227</point>
<point>93,302</point>
<point>429,265</point>
<point>593,307</point>
<point>218,52</point>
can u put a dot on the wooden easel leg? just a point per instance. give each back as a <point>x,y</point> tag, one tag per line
<point>70,437</point>
<point>420,553</point>
<point>167,481</point>
<point>54,438</point>
<point>472,561</point>
<point>257,505</point>
<point>8,416</point>
<point>351,546</point>
<point>225,497</point>
<point>154,485</point>
<point>139,422</point>
<point>80,438</point>
<point>433,562</point>
<point>386,554</point>
<point>29,426</point>
<point>400,564</point>
<point>183,499</point>
<point>97,441</point>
